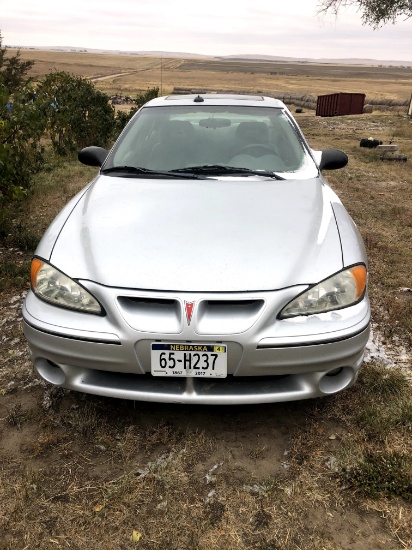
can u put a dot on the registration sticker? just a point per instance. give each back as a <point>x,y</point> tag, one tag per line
<point>194,360</point>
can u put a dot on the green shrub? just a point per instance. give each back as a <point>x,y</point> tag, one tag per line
<point>122,118</point>
<point>21,154</point>
<point>77,114</point>
<point>146,96</point>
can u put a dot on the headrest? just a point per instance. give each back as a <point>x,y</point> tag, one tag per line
<point>253,132</point>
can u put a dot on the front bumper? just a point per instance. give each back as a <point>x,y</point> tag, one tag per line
<point>268,360</point>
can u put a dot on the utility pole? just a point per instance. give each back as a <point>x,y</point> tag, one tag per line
<point>161,74</point>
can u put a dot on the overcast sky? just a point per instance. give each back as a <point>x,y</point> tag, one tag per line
<point>208,27</point>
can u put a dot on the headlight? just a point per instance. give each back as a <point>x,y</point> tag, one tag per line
<point>56,288</point>
<point>341,290</point>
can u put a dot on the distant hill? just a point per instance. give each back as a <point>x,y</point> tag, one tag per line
<point>240,57</point>
<point>344,61</point>
<point>148,53</point>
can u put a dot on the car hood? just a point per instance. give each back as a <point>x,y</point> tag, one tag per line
<point>232,234</point>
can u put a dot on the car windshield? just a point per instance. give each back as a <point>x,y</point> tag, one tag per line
<point>180,137</point>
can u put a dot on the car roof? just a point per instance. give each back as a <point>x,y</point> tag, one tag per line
<point>216,99</point>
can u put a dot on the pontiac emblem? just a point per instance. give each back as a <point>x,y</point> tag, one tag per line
<point>189,307</point>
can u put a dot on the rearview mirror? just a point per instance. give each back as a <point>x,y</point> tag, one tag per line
<point>212,122</point>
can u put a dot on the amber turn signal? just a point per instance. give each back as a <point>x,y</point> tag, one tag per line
<point>360,275</point>
<point>36,265</point>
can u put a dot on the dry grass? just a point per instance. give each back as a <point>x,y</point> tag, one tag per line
<point>78,471</point>
<point>101,470</point>
<point>307,78</point>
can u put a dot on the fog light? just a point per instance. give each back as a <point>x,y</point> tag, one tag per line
<point>336,380</point>
<point>335,372</point>
<point>50,372</point>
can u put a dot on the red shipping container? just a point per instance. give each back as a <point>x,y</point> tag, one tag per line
<point>340,104</point>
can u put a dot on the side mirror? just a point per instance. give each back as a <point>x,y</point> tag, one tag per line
<point>333,159</point>
<point>93,156</point>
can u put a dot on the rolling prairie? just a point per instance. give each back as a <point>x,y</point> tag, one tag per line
<point>141,72</point>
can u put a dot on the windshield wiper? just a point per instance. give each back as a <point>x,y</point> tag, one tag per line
<point>191,172</point>
<point>219,169</point>
<point>139,171</point>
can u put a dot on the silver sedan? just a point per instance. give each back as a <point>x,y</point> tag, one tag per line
<point>208,262</point>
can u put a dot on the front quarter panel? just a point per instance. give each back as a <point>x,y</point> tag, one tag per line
<point>46,245</point>
<point>353,248</point>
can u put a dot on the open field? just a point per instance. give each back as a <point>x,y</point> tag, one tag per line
<point>78,471</point>
<point>307,78</point>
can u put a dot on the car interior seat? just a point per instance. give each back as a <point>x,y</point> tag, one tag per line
<point>176,147</point>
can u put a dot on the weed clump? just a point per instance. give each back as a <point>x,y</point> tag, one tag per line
<point>382,475</point>
<point>382,384</point>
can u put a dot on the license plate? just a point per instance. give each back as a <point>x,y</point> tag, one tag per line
<point>183,360</point>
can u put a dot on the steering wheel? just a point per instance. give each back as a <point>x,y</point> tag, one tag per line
<point>265,149</point>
